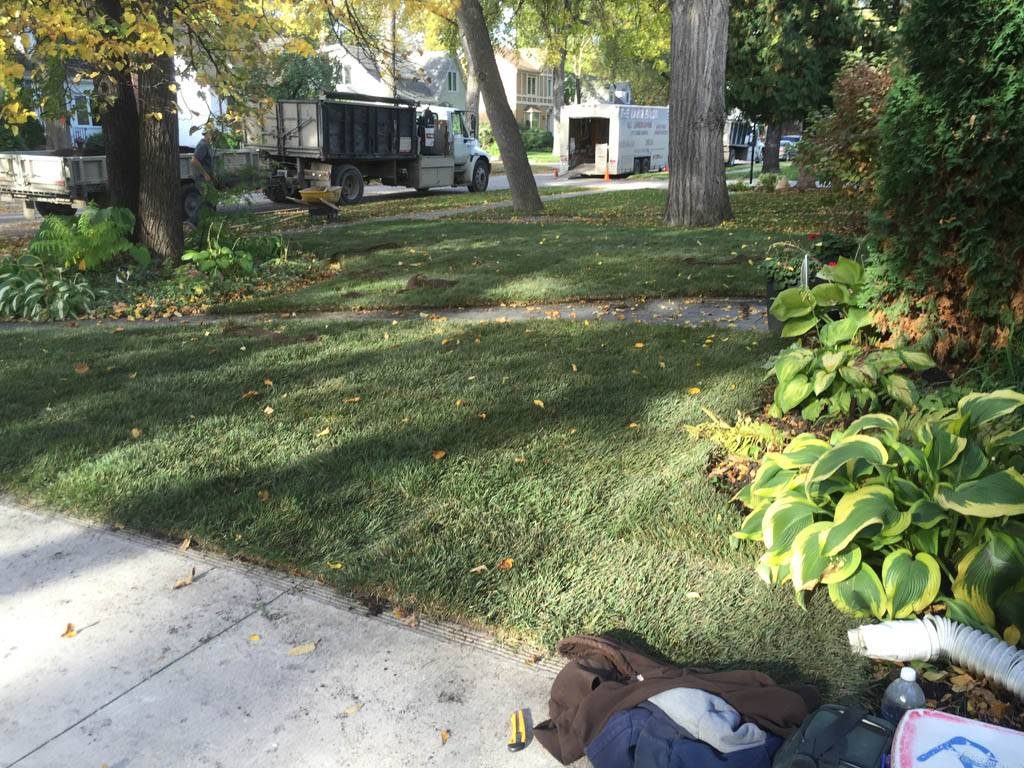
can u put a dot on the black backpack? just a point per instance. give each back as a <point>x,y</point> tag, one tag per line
<point>837,737</point>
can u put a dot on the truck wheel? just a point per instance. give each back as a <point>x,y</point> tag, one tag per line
<point>481,176</point>
<point>191,204</point>
<point>350,180</point>
<point>54,209</point>
<point>276,190</point>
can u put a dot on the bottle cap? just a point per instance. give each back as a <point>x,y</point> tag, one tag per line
<point>909,674</point>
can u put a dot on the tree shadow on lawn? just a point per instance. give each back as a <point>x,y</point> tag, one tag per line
<point>607,525</point>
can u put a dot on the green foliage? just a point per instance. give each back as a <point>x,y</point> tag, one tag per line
<point>29,136</point>
<point>829,371</point>
<point>951,170</point>
<point>784,261</point>
<point>218,261</point>
<point>32,289</point>
<point>95,237</point>
<point>767,182</point>
<point>889,513</point>
<point>784,54</point>
<point>536,140</point>
<point>841,146</point>
<point>748,438</point>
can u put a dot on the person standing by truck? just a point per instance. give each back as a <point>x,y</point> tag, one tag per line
<point>202,158</point>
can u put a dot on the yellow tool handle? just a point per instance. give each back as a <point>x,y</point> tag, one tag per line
<point>517,731</point>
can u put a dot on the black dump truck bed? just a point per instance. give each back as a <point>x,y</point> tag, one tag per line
<point>341,127</point>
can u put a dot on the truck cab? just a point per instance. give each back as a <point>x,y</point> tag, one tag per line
<point>446,134</point>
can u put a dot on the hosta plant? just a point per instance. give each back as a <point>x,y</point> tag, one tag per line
<point>889,515</point>
<point>32,290</point>
<point>832,368</point>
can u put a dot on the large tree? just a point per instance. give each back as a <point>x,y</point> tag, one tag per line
<point>697,195</point>
<point>783,57</point>
<point>472,24</point>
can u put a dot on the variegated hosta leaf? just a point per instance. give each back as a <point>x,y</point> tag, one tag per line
<point>842,566</point>
<point>859,512</point>
<point>846,452</point>
<point>792,302</point>
<point>941,447</point>
<point>916,361</point>
<point>750,528</point>
<point>925,513</point>
<point>1010,613</point>
<point>969,464</point>
<point>783,520</point>
<point>911,582</point>
<point>809,560</point>
<point>982,407</point>
<point>860,595</point>
<point>986,572</point>
<point>791,362</point>
<point>874,422</point>
<point>998,494</point>
<point>803,450</point>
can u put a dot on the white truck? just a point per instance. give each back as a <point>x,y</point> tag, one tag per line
<point>622,138</point>
<point>53,183</point>
<point>343,140</point>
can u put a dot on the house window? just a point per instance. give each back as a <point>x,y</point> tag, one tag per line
<point>531,85</point>
<point>346,74</point>
<point>83,115</point>
<point>453,81</point>
<point>533,118</point>
<point>546,85</point>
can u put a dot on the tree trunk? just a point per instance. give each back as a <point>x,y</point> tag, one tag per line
<point>772,140</point>
<point>57,134</point>
<point>697,195</point>
<point>472,91</point>
<point>558,86</point>
<point>121,142</point>
<point>160,186</point>
<point>525,198</point>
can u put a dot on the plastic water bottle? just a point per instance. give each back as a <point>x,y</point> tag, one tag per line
<point>903,694</point>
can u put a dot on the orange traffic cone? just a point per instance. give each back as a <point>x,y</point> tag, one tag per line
<point>607,176</point>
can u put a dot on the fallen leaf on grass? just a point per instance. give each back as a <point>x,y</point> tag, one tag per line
<point>187,581</point>
<point>459,403</point>
<point>445,735</point>
<point>632,425</point>
<point>693,595</point>
<point>81,368</point>
<point>70,631</point>
<point>302,650</point>
<point>254,638</point>
<point>133,374</point>
<point>478,569</point>
<point>574,368</point>
<point>249,394</point>
<point>539,403</point>
<point>438,454</point>
<point>268,382</point>
<point>263,495</point>
<point>349,711</point>
<point>482,415</point>
<point>335,566</point>
<point>638,345</point>
<point>693,391</point>
<point>268,411</point>
<point>505,564</point>
<point>353,400</point>
<point>185,543</point>
<point>324,432</point>
<point>136,433</point>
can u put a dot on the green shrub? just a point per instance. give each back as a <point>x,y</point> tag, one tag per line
<point>33,290</point>
<point>951,174</point>
<point>95,144</point>
<point>832,370</point>
<point>87,241</point>
<point>767,182</point>
<point>889,514</point>
<point>485,135</point>
<point>784,261</point>
<point>841,146</point>
<point>218,261</point>
<point>536,140</point>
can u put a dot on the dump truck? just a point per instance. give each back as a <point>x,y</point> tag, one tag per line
<point>343,140</point>
<point>51,182</point>
<point>619,138</point>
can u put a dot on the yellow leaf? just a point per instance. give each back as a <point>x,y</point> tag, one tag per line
<point>185,543</point>
<point>482,415</point>
<point>268,411</point>
<point>459,403</point>
<point>445,735</point>
<point>478,569</point>
<point>324,432</point>
<point>539,403</point>
<point>693,595</point>
<point>268,382</point>
<point>439,454</point>
<point>81,368</point>
<point>335,566</point>
<point>133,374</point>
<point>632,425</point>
<point>302,650</point>
<point>352,400</point>
<point>349,711</point>
<point>693,391</point>
<point>1012,634</point>
<point>254,638</point>
<point>639,345</point>
<point>505,564</point>
<point>186,581</point>
<point>136,433</point>
<point>263,495</point>
<point>574,368</point>
<point>70,631</point>
<point>172,87</point>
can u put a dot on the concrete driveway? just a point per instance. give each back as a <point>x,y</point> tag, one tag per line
<point>243,667</point>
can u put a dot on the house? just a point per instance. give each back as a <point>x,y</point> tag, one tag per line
<point>529,88</point>
<point>592,90</point>
<point>429,77</point>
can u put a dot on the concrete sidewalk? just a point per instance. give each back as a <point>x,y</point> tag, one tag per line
<point>208,675</point>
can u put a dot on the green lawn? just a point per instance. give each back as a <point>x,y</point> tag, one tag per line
<point>305,444</point>
<point>519,262</point>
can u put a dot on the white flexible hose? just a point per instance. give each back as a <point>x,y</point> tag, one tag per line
<point>932,636</point>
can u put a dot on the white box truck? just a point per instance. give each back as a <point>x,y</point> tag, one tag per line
<point>624,138</point>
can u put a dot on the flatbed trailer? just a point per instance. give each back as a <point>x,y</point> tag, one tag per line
<point>343,140</point>
<point>56,183</point>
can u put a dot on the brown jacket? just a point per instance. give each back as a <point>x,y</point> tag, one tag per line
<point>603,678</point>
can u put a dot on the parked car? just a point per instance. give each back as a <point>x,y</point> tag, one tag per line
<point>787,145</point>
